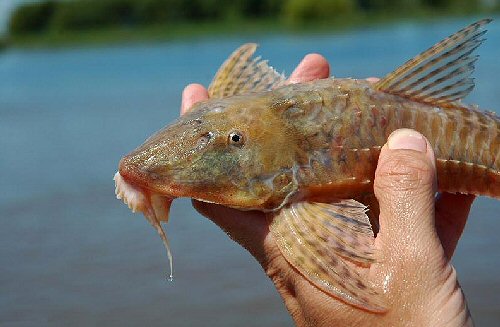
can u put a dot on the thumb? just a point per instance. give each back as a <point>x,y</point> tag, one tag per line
<point>413,270</point>
<point>405,186</point>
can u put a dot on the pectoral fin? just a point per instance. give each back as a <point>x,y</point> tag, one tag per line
<point>328,244</point>
<point>242,73</point>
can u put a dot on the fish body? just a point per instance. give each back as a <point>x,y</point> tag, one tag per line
<point>301,152</point>
<point>328,134</point>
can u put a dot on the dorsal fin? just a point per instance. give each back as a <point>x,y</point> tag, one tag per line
<point>241,73</point>
<point>440,75</point>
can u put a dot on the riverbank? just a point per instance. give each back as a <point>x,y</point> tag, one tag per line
<point>225,28</point>
<point>86,260</point>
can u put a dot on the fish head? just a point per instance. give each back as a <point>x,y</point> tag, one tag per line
<point>234,151</point>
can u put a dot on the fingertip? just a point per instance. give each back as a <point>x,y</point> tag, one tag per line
<point>192,94</point>
<point>452,211</point>
<point>194,88</point>
<point>201,207</point>
<point>451,200</point>
<point>316,59</point>
<point>313,66</point>
<point>373,79</point>
<point>408,139</point>
<point>406,161</point>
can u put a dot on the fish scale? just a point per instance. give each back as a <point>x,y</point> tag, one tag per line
<point>305,154</point>
<point>471,153</point>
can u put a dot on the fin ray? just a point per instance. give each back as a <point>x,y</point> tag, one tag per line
<point>441,74</point>
<point>323,241</point>
<point>348,241</point>
<point>242,73</point>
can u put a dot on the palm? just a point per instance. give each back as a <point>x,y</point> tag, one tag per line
<point>250,229</point>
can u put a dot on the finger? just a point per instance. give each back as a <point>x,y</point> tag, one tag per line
<point>313,66</point>
<point>452,211</point>
<point>249,228</point>
<point>405,185</point>
<point>192,94</point>
<point>373,79</point>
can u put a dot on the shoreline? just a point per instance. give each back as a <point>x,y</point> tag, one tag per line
<point>161,33</point>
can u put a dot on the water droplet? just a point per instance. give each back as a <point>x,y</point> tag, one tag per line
<point>170,278</point>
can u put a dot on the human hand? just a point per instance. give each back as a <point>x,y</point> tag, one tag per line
<point>417,238</point>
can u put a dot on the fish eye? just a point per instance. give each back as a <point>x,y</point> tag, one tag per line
<point>236,138</point>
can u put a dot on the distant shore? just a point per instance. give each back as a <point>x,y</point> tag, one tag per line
<point>116,35</point>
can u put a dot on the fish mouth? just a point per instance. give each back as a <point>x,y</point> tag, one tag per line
<point>154,206</point>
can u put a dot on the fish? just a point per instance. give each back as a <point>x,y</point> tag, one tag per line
<point>306,154</point>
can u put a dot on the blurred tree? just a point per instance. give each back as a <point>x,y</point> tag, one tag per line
<point>260,8</point>
<point>91,14</point>
<point>464,6</point>
<point>301,11</point>
<point>85,14</point>
<point>32,17</point>
<point>388,5</point>
<point>158,11</point>
<point>273,8</point>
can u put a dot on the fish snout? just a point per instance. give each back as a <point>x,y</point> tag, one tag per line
<point>134,172</point>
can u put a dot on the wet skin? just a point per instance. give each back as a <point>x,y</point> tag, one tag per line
<point>418,235</point>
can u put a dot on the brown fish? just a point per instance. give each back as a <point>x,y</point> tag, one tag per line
<point>304,152</point>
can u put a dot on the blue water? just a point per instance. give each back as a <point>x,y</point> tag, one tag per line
<point>70,254</point>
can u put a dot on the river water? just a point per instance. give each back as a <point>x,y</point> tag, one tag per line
<point>71,254</point>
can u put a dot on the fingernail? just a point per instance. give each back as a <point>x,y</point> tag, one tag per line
<point>407,139</point>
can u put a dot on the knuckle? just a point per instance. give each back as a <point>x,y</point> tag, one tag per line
<point>404,172</point>
<point>277,269</point>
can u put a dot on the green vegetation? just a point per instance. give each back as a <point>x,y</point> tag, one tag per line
<point>32,18</point>
<point>61,22</point>
<point>303,11</point>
